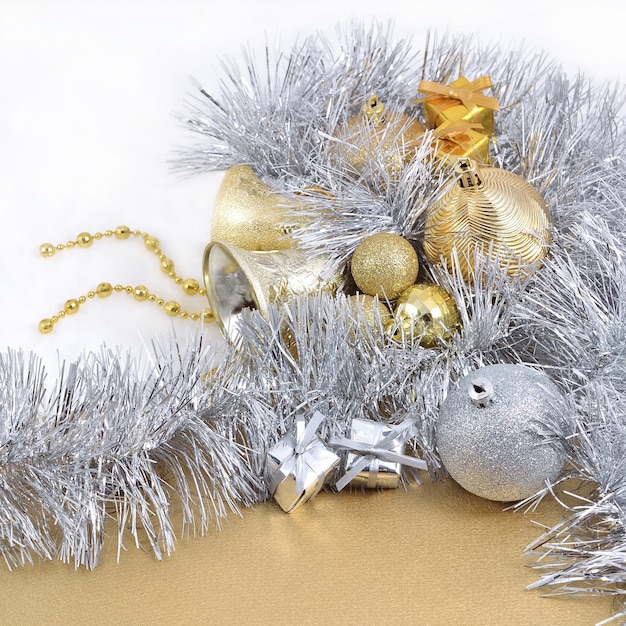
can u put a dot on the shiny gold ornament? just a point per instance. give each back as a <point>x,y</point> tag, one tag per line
<point>378,135</point>
<point>460,100</point>
<point>492,211</point>
<point>384,265</point>
<point>250,215</point>
<point>426,313</point>
<point>237,279</point>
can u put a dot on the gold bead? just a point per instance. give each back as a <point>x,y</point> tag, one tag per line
<point>104,290</point>
<point>82,300</point>
<point>46,326</point>
<point>55,318</point>
<point>184,314</point>
<point>384,265</point>
<point>98,236</point>
<point>84,240</point>
<point>46,249</point>
<point>159,302</point>
<point>207,315</point>
<point>152,297</point>
<point>71,306</point>
<point>152,243</point>
<point>108,233</point>
<point>70,244</point>
<point>171,308</point>
<point>122,232</point>
<point>59,315</point>
<point>91,294</point>
<point>202,291</point>
<point>191,286</point>
<point>194,316</point>
<point>128,289</point>
<point>141,293</point>
<point>167,265</point>
<point>60,246</point>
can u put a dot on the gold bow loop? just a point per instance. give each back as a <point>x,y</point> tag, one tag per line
<point>469,93</point>
<point>455,130</point>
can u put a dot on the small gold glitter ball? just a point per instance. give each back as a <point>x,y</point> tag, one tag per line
<point>384,265</point>
<point>371,308</point>
<point>426,313</point>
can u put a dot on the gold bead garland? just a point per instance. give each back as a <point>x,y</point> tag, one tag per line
<point>140,293</point>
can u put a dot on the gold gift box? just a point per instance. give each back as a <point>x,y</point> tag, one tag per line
<point>460,100</point>
<point>469,144</point>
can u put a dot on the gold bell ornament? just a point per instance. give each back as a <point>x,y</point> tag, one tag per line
<point>425,313</point>
<point>249,214</point>
<point>377,134</point>
<point>238,279</point>
<point>492,211</point>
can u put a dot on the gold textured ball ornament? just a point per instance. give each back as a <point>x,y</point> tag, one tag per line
<point>425,313</point>
<point>492,211</point>
<point>379,135</point>
<point>384,265</point>
<point>371,308</point>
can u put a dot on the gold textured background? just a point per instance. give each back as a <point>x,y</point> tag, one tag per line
<point>431,555</point>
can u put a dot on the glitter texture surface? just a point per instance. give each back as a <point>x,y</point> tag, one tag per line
<point>497,451</point>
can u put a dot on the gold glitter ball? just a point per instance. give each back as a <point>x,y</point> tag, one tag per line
<point>384,265</point>
<point>425,313</point>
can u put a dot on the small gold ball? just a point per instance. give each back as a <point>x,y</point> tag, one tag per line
<point>82,300</point>
<point>425,313</point>
<point>122,232</point>
<point>46,249</point>
<point>141,293</point>
<point>191,286</point>
<point>84,240</point>
<point>171,308</point>
<point>159,302</point>
<point>194,316</point>
<point>46,326</point>
<point>372,309</point>
<point>152,243</point>
<point>384,265</point>
<point>104,290</point>
<point>207,315</point>
<point>167,265</point>
<point>71,306</point>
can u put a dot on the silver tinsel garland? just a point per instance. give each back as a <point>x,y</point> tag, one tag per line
<point>117,437</point>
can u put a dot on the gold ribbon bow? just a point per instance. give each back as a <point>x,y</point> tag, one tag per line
<point>469,94</point>
<point>455,130</point>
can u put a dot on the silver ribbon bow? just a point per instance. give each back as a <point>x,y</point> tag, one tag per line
<point>297,461</point>
<point>380,450</point>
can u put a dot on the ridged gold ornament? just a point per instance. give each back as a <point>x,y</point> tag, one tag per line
<point>379,135</point>
<point>425,313</point>
<point>493,211</point>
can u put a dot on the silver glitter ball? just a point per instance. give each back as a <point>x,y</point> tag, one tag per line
<point>488,432</point>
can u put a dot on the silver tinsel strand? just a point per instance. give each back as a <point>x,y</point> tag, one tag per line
<point>96,444</point>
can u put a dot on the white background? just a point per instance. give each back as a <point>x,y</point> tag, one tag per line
<point>88,96</point>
